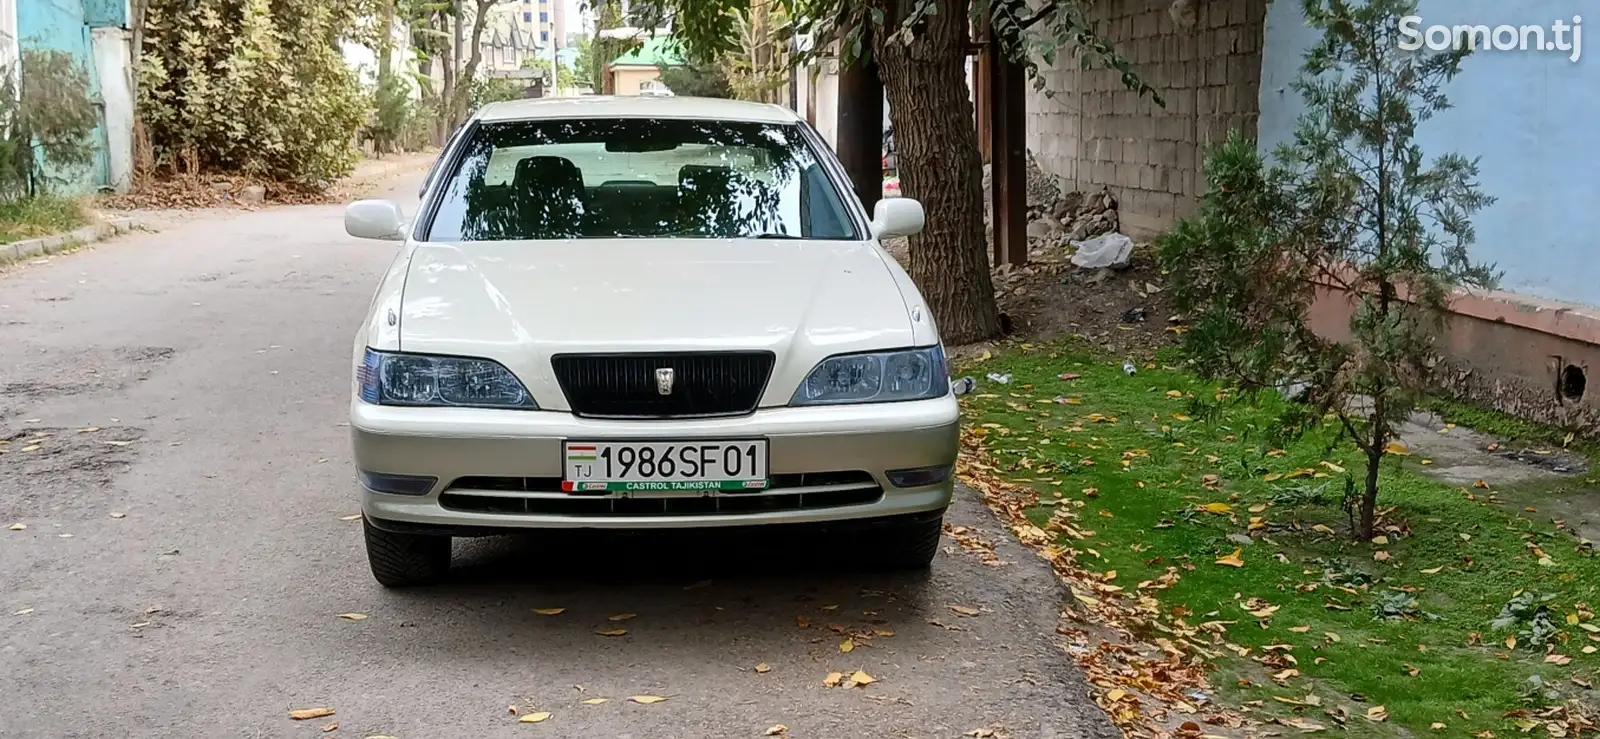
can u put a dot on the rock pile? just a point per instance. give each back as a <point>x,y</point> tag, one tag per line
<point>1056,218</point>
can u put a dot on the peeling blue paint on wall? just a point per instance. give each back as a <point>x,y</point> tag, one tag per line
<point>62,25</point>
<point>1530,116</point>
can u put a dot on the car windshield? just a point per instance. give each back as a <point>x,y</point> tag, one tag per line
<point>607,178</point>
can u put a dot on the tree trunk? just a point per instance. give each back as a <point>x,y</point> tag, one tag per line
<point>938,151</point>
<point>386,42</point>
<point>1367,506</point>
<point>463,96</point>
<point>447,93</point>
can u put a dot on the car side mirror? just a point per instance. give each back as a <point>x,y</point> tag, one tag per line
<point>375,219</point>
<point>894,217</point>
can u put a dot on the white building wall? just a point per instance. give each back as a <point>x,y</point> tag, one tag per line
<point>112,48</point>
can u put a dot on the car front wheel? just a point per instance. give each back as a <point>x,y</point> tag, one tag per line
<point>911,545</point>
<point>403,560</point>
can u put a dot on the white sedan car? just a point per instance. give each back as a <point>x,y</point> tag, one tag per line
<point>645,313</point>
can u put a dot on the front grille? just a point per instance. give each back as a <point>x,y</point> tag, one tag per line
<point>542,495</point>
<point>626,386</point>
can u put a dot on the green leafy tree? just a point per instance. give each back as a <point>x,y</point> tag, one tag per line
<point>1352,203</point>
<point>921,49</point>
<point>45,126</point>
<point>253,86</point>
<point>696,78</point>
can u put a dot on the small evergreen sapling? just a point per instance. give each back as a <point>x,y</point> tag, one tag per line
<point>1350,204</point>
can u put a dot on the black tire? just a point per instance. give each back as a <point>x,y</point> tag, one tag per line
<point>911,545</point>
<point>404,560</point>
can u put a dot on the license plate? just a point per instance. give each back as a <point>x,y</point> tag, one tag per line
<point>631,466</point>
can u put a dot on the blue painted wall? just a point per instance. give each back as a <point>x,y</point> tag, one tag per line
<point>63,25</point>
<point>102,13</point>
<point>1532,117</point>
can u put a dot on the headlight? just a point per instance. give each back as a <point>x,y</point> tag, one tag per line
<point>420,380</point>
<point>881,377</point>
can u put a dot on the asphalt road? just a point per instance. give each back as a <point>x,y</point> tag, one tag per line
<point>185,560</point>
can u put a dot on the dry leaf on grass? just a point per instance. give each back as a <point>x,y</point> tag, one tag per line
<point>1232,560</point>
<point>305,714</point>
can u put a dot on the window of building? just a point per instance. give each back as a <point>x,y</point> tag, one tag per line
<point>544,35</point>
<point>527,16</point>
<point>544,17</point>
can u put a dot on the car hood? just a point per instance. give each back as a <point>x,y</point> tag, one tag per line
<point>522,302</point>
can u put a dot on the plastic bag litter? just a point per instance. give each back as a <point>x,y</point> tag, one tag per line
<point>1112,250</point>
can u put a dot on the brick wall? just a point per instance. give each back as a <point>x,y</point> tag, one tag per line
<point>1093,132</point>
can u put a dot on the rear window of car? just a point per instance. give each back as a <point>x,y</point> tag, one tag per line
<point>607,178</point>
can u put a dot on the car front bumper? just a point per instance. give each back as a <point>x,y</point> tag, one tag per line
<point>845,454</point>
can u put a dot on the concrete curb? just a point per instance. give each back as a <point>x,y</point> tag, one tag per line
<point>27,249</point>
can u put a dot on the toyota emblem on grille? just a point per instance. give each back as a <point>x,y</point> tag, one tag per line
<point>664,380</point>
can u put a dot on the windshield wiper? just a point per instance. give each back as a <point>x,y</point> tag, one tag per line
<point>774,236</point>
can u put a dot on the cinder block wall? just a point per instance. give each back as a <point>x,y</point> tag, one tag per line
<point>1093,132</point>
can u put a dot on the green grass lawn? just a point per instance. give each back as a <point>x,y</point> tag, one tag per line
<point>39,216</point>
<point>1166,476</point>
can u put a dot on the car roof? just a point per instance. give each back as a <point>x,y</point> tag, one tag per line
<point>616,106</point>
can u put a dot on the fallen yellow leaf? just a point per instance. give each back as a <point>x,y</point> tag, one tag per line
<point>1437,726</point>
<point>595,701</point>
<point>353,616</point>
<point>1433,571</point>
<point>833,679</point>
<point>1511,642</point>
<point>763,668</point>
<point>18,527</point>
<point>965,611</point>
<point>1300,629</point>
<point>549,611</point>
<point>1232,560</point>
<point>534,718</point>
<point>1174,393</point>
<point>351,517</point>
<point>1381,556</point>
<point>1216,507</point>
<point>859,678</point>
<point>847,645</point>
<point>623,616</point>
<point>776,729</point>
<point>1380,540</point>
<point>1396,448</point>
<point>612,632</point>
<point>304,714</point>
<point>1557,659</point>
<point>1332,467</point>
<point>118,514</point>
<point>1116,695</point>
<point>646,699</point>
<point>1378,713</point>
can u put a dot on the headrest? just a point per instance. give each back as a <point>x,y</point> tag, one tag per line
<point>547,172</point>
